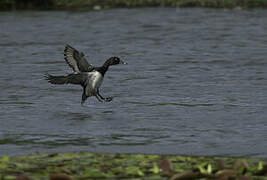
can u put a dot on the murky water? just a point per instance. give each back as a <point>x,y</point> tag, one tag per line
<point>195,84</point>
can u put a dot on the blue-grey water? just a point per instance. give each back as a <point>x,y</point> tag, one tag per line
<point>195,83</point>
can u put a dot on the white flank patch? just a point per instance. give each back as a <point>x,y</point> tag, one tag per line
<point>95,79</point>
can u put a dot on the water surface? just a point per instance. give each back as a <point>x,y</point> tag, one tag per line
<point>195,84</point>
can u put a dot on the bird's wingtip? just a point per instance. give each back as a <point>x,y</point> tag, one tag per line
<point>68,46</point>
<point>47,76</point>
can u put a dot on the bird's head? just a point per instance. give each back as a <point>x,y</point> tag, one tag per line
<point>115,60</point>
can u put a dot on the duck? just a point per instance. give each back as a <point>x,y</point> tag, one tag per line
<point>84,74</point>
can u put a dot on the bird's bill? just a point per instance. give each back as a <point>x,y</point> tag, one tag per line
<point>123,62</point>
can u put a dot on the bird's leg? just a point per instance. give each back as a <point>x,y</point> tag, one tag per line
<point>84,97</point>
<point>98,98</point>
<point>108,99</point>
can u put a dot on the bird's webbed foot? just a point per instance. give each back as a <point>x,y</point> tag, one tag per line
<point>99,99</point>
<point>108,99</point>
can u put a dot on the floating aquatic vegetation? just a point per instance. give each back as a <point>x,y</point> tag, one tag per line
<point>76,166</point>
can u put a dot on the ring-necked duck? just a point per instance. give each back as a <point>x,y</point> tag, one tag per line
<point>86,75</point>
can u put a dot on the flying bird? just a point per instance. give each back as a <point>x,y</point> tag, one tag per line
<point>86,75</point>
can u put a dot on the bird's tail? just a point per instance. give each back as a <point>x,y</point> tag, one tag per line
<point>56,79</point>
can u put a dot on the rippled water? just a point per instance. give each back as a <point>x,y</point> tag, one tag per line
<point>195,84</point>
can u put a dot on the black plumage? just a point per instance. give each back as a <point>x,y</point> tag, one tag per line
<point>86,75</point>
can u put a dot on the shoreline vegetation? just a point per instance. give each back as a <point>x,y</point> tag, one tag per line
<point>85,165</point>
<point>12,5</point>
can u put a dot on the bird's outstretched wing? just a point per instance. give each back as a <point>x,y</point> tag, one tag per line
<point>79,78</point>
<point>76,60</point>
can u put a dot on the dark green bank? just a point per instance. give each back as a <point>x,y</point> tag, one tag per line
<point>107,4</point>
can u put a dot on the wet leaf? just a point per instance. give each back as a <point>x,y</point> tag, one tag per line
<point>9,178</point>
<point>165,165</point>
<point>225,174</point>
<point>93,172</point>
<point>241,163</point>
<point>244,178</point>
<point>52,155</point>
<point>186,176</point>
<point>66,171</point>
<point>241,166</point>
<point>260,166</point>
<point>3,166</point>
<point>4,159</point>
<point>202,168</point>
<point>132,171</point>
<point>209,169</point>
<point>221,164</point>
<point>23,177</point>
<point>263,170</point>
<point>60,177</point>
<point>155,169</point>
<point>140,173</point>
